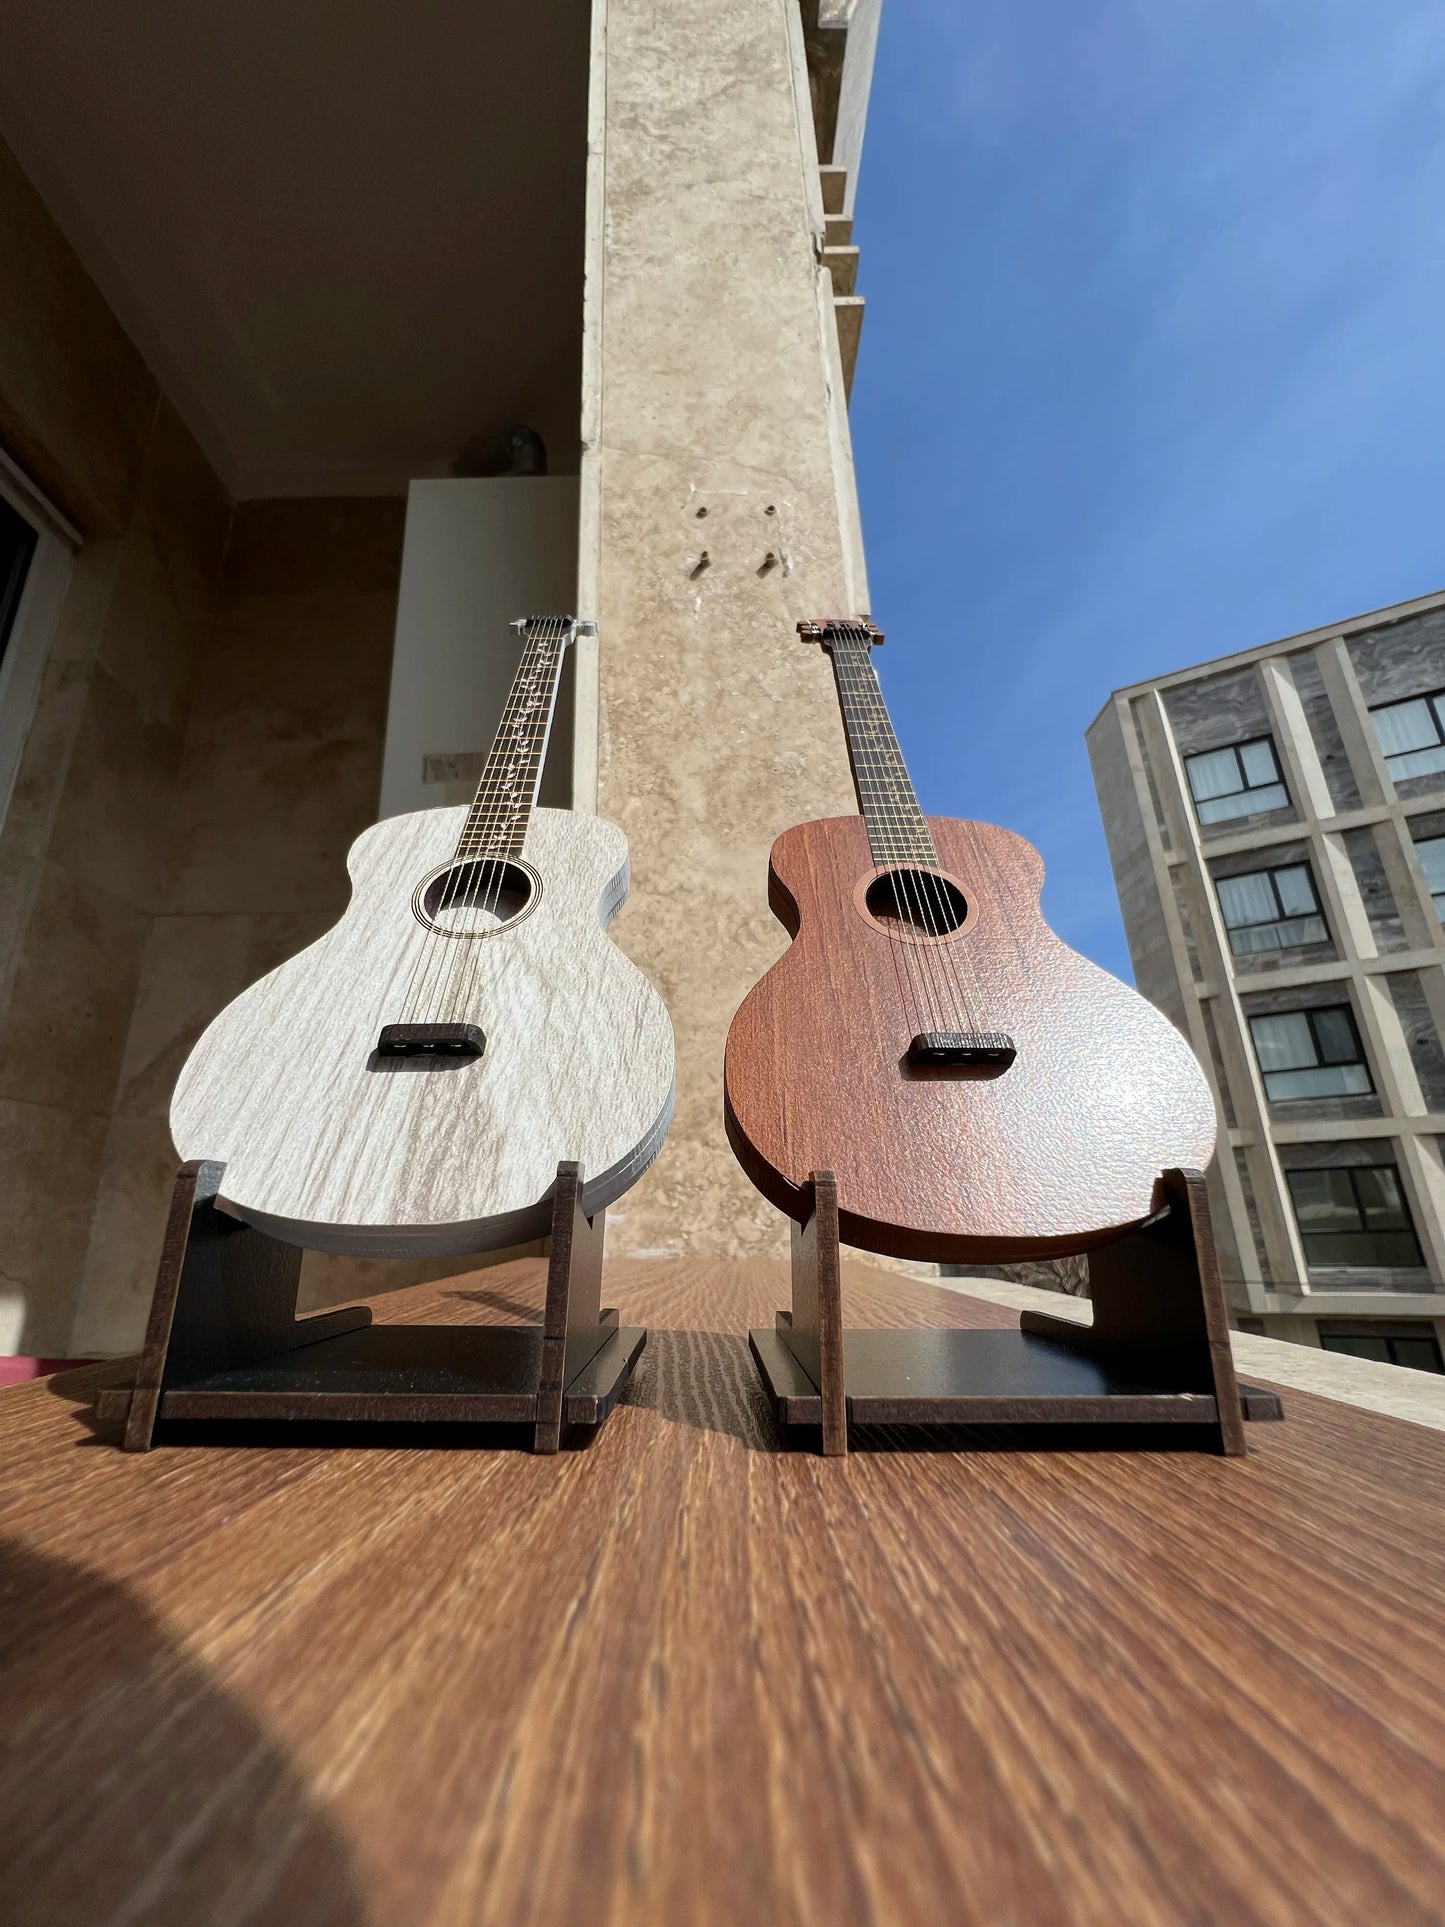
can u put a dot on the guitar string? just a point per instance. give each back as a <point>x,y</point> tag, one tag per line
<point>925,894</point>
<point>869,794</point>
<point>898,847</point>
<point>890,831</point>
<point>920,921</point>
<point>902,843</point>
<point>513,783</point>
<point>955,957</point>
<point>532,728</point>
<point>482,858</point>
<point>437,949</point>
<point>924,891</point>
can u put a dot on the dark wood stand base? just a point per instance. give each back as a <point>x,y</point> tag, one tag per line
<point>1156,1354</point>
<point>224,1342</point>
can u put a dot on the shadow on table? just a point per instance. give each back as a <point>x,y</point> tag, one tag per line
<point>521,1311</point>
<point>132,1785</point>
<point>706,1380</point>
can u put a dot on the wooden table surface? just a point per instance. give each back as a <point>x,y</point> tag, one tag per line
<point>681,1676</point>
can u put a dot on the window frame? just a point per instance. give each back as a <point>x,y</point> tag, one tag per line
<point>1352,1171</point>
<point>1246,787</point>
<point>1310,1012</point>
<point>1437,897</point>
<point>1338,1336</point>
<point>1432,698</point>
<point>1282,916</point>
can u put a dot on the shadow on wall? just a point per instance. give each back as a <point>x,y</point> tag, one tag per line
<point>132,1786</point>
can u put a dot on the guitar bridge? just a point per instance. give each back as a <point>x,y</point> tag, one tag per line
<point>431,1040</point>
<point>992,1050</point>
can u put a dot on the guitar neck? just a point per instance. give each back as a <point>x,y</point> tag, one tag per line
<point>497,823</point>
<point>897,829</point>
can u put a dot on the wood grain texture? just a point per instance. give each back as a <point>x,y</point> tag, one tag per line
<point>426,1155</point>
<point>684,1677</point>
<point>1059,1153</point>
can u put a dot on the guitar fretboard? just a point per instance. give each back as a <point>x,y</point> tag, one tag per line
<point>897,829</point>
<point>497,822</point>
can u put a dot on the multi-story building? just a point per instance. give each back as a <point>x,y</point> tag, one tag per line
<point>1276,822</point>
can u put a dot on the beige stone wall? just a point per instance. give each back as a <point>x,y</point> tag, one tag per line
<point>716,387</point>
<point>277,771</point>
<point>83,846</point>
<point>83,854</point>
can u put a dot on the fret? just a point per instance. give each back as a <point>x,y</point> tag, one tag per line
<point>897,829</point>
<point>497,822</point>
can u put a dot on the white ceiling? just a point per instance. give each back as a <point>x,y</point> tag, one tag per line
<point>346,234</point>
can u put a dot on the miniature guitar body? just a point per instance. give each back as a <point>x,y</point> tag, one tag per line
<point>407,1085</point>
<point>980,1091</point>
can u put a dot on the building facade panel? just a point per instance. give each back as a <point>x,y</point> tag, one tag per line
<point>1281,870</point>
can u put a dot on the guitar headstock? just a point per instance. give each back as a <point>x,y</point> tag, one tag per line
<point>829,630</point>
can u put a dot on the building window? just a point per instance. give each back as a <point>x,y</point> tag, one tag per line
<point>1412,735</point>
<point>1311,1053</point>
<point>1412,1345</point>
<point>1431,852</point>
<point>1270,909</point>
<point>1354,1215</point>
<point>1239,781</point>
<point>17,545</point>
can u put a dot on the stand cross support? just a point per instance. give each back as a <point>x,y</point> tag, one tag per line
<point>1156,1353</point>
<point>224,1342</point>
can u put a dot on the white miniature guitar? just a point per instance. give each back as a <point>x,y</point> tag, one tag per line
<point>407,1085</point>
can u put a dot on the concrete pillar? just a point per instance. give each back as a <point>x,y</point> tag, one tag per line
<point>1352,719</point>
<point>1372,777</point>
<point>1283,1247</point>
<point>1423,1177</point>
<point>1292,739</point>
<point>716,438</point>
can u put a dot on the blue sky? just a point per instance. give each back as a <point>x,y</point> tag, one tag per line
<point>1153,367</point>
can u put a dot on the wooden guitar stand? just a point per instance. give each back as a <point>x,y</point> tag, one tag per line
<point>224,1342</point>
<point>1157,1351</point>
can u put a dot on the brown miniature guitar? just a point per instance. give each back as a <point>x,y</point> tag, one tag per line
<point>980,1091</point>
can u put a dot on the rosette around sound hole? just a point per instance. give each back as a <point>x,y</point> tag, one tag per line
<point>473,897</point>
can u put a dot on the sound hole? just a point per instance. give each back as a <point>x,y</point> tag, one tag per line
<point>916,903</point>
<point>469,899</point>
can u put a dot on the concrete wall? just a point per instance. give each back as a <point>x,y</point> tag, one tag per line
<point>714,420</point>
<point>279,769</point>
<point>83,847</point>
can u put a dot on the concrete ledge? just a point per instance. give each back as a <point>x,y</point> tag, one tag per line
<point>1393,1390</point>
